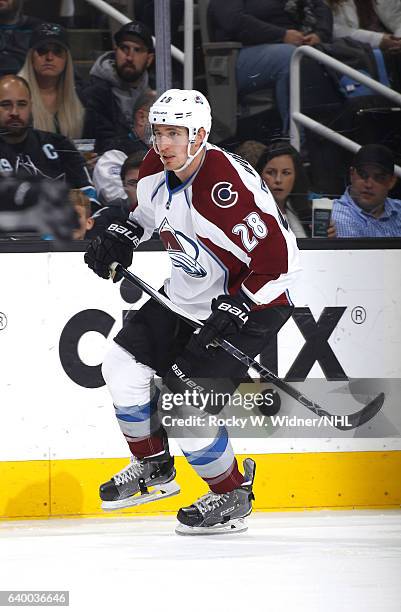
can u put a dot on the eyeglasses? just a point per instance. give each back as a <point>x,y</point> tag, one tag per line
<point>55,49</point>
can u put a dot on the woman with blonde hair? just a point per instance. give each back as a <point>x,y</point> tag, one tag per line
<point>49,71</point>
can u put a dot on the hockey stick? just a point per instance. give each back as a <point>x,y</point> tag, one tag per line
<point>353,420</point>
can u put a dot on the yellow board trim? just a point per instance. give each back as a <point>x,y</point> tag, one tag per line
<point>299,481</point>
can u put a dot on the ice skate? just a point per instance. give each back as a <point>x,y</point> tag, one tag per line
<point>141,482</point>
<point>215,513</point>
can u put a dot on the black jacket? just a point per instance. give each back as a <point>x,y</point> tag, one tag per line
<point>45,155</point>
<point>254,22</point>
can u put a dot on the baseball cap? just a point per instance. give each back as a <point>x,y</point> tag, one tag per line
<point>134,28</point>
<point>49,33</point>
<point>375,155</point>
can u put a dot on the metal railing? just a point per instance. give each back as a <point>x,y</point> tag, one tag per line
<point>184,57</point>
<point>297,118</point>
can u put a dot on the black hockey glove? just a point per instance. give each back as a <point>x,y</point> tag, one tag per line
<point>116,244</point>
<point>229,315</point>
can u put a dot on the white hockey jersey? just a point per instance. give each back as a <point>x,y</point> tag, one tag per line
<point>222,230</point>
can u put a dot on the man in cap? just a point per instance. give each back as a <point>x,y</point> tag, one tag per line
<point>365,210</point>
<point>118,78</point>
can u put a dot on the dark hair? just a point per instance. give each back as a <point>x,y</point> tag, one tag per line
<point>298,198</point>
<point>133,161</point>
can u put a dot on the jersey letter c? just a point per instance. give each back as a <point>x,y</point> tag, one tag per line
<point>223,195</point>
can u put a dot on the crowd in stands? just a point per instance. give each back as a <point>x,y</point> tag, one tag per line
<point>46,107</point>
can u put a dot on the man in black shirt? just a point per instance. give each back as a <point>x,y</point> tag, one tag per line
<point>26,152</point>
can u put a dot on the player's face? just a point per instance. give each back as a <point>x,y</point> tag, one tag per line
<point>172,144</point>
<point>49,60</point>
<point>279,176</point>
<point>15,109</point>
<point>132,59</point>
<point>370,186</point>
<point>130,184</point>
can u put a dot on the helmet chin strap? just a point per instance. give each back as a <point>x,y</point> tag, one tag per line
<point>190,157</point>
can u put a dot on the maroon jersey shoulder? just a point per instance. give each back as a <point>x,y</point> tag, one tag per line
<point>150,165</point>
<point>219,193</point>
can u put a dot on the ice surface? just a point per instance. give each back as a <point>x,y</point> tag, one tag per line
<point>307,561</point>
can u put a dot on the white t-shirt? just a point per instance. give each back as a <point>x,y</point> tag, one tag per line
<point>106,176</point>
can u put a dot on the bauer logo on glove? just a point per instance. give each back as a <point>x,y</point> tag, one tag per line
<point>130,233</point>
<point>116,244</point>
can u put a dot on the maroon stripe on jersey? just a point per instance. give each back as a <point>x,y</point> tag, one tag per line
<point>218,181</point>
<point>228,481</point>
<point>150,165</point>
<point>217,171</point>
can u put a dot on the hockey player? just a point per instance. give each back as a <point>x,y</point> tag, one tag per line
<point>234,260</point>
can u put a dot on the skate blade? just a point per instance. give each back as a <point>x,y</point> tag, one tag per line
<point>234,526</point>
<point>156,493</point>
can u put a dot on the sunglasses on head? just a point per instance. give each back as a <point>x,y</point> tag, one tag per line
<point>55,49</point>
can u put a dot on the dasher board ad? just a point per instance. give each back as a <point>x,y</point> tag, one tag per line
<point>340,350</point>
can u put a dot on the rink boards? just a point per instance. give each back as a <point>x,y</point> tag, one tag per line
<point>58,435</point>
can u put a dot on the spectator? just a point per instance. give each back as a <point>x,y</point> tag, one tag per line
<point>365,210</point>
<point>129,177</point>
<point>270,32</point>
<point>15,33</point>
<point>49,71</point>
<point>27,152</point>
<point>117,79</point>
<point>82,207</point>
<point>251,150</point>
<point>106,175</point>
<point>376,23</point>
<point>137,137</point>
<point>116,179</point>
<point>281,168</point>
<point>111,171</point>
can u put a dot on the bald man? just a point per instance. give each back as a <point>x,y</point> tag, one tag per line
<point>26,152</point>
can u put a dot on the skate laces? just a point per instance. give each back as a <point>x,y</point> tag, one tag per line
<point>131,471</point>
<point>210,501</point>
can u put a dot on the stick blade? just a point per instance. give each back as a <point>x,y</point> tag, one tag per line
<point>366,414</point>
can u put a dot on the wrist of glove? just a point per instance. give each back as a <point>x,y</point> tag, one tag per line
<point>229,315</point>
<point>116,244</point>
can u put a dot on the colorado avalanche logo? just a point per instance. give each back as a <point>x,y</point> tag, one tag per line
<point>183,251</point>
<point>223,195</point>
